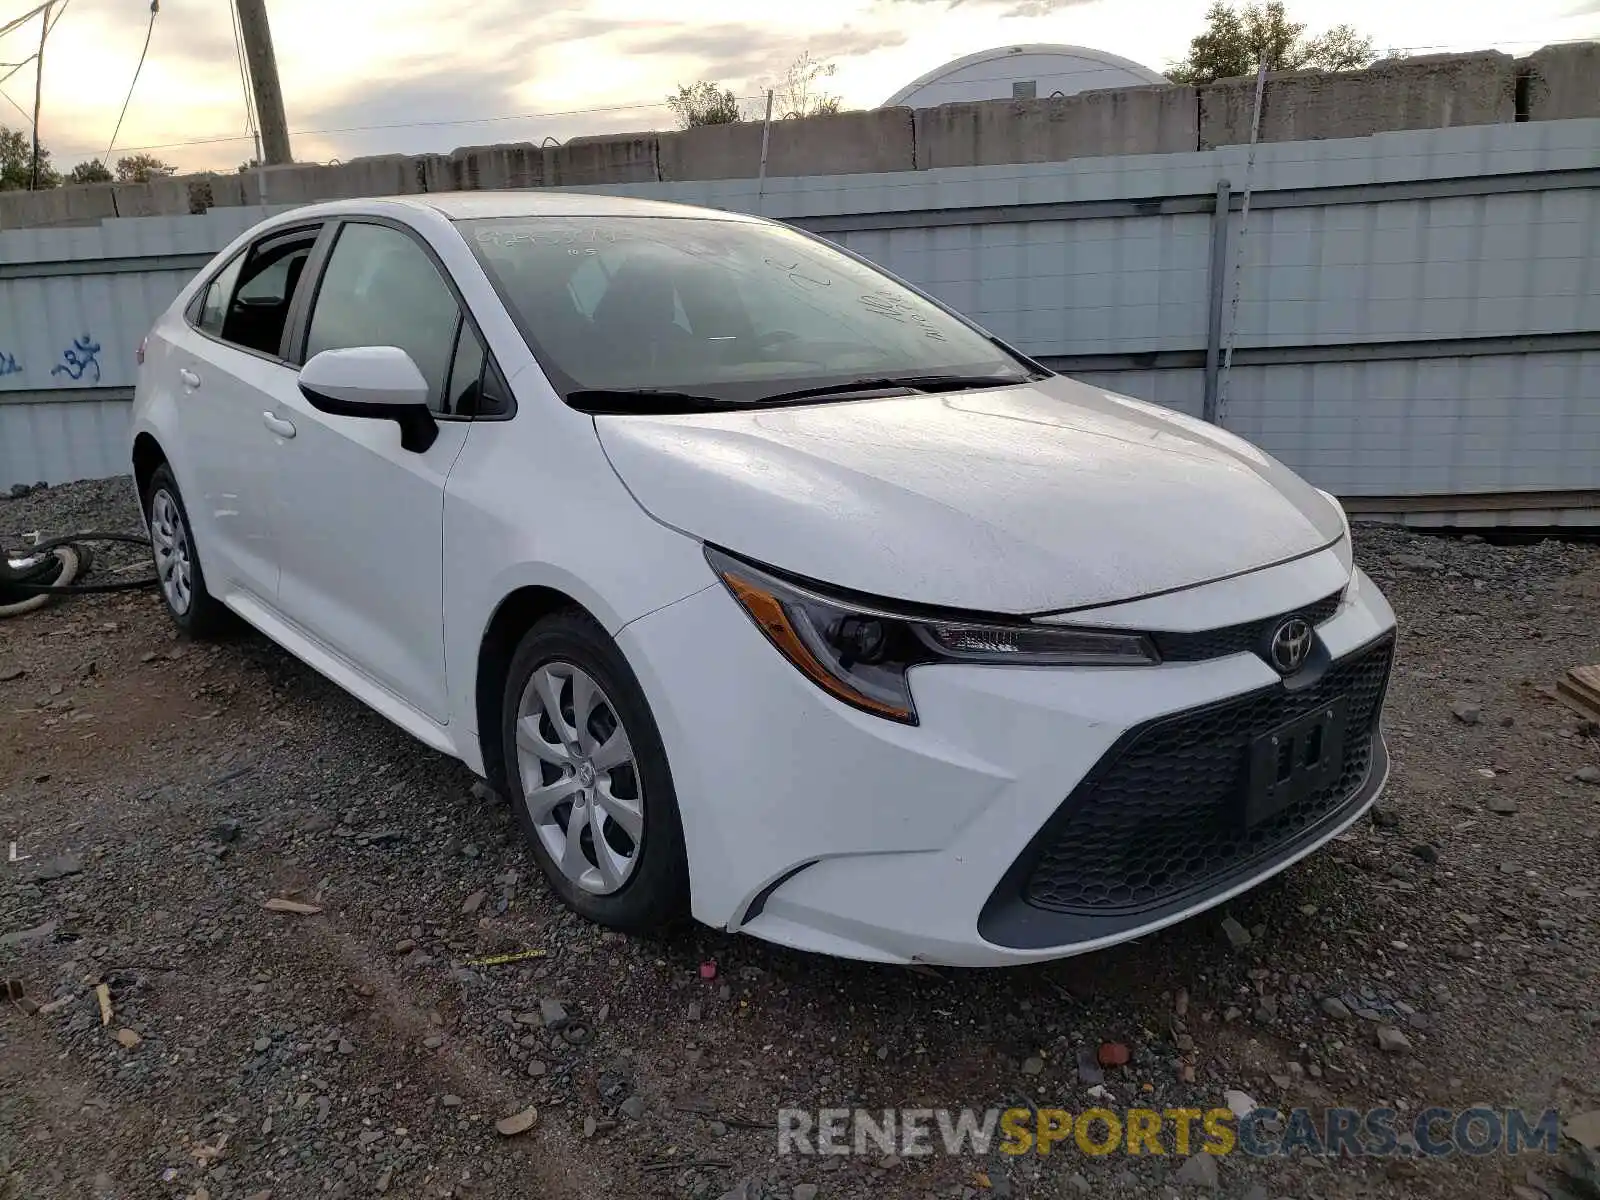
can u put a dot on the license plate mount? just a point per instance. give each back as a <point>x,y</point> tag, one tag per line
<point>1294,761</point>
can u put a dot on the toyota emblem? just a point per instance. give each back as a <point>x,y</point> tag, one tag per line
<point>1290,645</point>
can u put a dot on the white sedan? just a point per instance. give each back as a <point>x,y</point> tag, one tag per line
<point>763,585</point>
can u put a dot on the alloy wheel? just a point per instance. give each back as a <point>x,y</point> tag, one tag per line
<point>580,781</point>
<point>169,538</point>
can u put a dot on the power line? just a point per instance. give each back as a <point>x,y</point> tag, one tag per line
<point>22,20</point>
<point>251,126</point>
<point>155,7</point>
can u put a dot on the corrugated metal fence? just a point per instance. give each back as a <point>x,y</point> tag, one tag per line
<point>1419,322</point>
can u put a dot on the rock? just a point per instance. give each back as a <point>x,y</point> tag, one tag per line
<point>745,1189</point>
<point>1238,936</point>
<point>1267,1010</point>
<point>1180,1002</point>
<point>346,1046</point>
<point>1199,1171</point>
<point>1089,1066</point>
<point>1417,562</point>
<point>1385,818</point>
<point>450,1101</point>
<point>432,1042</point>
<point>1467,713</point>
<point>384,1177</point>
<point>694,1010</point>
<point>1112,1054</point>
<point>474,902</point>
<point>632,1108</point>
<point>1504,805</point>
<point>1076,1182</point>
<point>9,673</point>
<point>517,1122</point>
<point>58,867</point>
<point>262,1045</point>
<point>1033,1066</point>
<point>804,1191</point>
<point>1584,1128</point>
<point>26,937</point>
<point>1391,1040</point>
<point>1240,1104</point>
<point>227,830</point>
<point>553,1013</point>
<point>129,1039</point>
<point>590,1126</point>
<point>1425,852</point>
<point>1587,775</point>
<point>1335,1008</point>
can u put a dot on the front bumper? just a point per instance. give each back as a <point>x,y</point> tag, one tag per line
<point>817,826</point>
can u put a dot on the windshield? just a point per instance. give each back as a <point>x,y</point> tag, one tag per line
<point>717,312</point>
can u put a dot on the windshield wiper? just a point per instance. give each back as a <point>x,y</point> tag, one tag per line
<point>916,383</point>
<point>602,401</point>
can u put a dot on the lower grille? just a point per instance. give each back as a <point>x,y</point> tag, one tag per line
<point>1161,814</point>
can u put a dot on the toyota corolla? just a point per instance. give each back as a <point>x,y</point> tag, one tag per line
<point>764,586</point>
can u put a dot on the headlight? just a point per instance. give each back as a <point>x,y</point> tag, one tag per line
<point>861,654</point>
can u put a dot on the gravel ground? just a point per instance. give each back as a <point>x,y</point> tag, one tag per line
<point>158,792</point>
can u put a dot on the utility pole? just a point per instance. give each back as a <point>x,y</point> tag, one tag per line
<point>38,94</point>
<point>263,65</point>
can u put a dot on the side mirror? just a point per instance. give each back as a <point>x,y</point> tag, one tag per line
<point>379,382</point>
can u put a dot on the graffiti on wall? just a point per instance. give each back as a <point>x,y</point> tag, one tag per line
<point>79,358</point>
<point>9,365</point>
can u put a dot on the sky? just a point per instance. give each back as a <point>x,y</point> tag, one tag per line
<point>408,76</point>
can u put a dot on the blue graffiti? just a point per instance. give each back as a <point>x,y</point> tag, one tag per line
<point>77,360</point>
<point>9,365</point>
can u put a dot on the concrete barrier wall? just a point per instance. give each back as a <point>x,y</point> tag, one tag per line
<point>1438,92</point>
<point>1564,82</point>
<point>852,143</point>
<point>1143,120</point>
<point>1420,93</point>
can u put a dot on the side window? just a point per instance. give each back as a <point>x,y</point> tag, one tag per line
<point>466,375</point>
<point>215,305</point>
<point>381,289</point>
<point>259,308</point>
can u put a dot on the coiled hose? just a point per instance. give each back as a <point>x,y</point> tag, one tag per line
<point>34,576</point>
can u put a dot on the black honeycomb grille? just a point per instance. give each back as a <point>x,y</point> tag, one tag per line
<point>1232,639</point>
<point>1161,815</point>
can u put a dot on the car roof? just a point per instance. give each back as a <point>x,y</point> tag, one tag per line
<point>530,202</point>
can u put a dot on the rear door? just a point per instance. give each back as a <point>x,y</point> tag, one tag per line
<point>229,360</point>
<point>360,520</point>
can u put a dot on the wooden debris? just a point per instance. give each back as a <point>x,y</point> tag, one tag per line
<point>56,1005</point>
<point>102,993</point>
<point>280,904</point>
<point>1579,688</point>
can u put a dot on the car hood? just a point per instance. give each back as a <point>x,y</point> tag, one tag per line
<point>1046,496</point>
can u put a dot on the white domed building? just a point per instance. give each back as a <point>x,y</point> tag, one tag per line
<point>1023,73</point>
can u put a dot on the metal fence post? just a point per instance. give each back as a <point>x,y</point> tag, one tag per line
<point>1219,295</point>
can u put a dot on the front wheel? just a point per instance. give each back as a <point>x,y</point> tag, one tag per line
<point>589,777</point>
<point>183,582</point>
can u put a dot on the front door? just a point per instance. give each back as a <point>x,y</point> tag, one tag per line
<point>359,520</point>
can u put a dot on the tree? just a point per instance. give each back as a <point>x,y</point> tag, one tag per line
<point>142,168</point>
<point>798,94</point>
<point>93,171</point>
<point>16,162</point>
<point>704,103</point>
<point>1236,43</point>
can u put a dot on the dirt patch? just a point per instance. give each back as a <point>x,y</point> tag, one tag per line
<point>172,789</point>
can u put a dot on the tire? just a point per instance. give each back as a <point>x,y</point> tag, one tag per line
<point>636,883</point>
<point>177,560</point>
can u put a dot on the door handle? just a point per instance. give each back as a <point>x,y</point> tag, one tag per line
<point>190,379</point>
<point>284,429</point>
